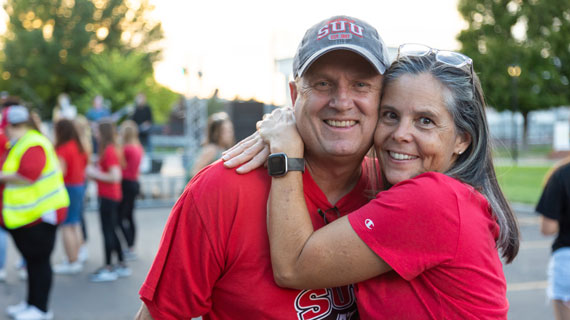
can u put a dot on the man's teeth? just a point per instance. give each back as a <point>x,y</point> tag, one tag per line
<point>340,124</point>
<point>401,156</point>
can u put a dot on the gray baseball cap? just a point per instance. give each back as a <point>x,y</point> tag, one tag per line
<point>341,33</point>
<point>17,114</point>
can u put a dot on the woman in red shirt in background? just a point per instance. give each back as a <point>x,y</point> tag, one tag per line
<point>73,159</point>
<point>133,153</point>
<point>107,173</point>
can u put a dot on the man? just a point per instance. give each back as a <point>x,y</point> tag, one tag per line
<point>143,118</point>
<point>214,255</point>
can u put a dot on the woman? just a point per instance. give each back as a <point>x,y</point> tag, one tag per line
<point>73,160</point>
<point>133,153</point>
<point>220,138</point>
<point>425,247</point>
<point>107,174</point>
<point>554,210</point>
<point>34,202</point>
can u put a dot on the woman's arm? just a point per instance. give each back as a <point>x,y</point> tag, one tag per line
<point>62,165</point>
<point>205,158</point>
<point>548,226</point>
<point>113,176</point>
<point>306,259</point>
<point>301,257</point>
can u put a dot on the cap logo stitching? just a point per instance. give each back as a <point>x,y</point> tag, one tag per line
<point>340,29</point>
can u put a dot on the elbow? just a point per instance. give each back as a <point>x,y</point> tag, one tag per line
<point>287,280</point>
<point>548,231</point>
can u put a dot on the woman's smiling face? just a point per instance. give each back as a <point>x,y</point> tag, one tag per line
<point>416,132</point>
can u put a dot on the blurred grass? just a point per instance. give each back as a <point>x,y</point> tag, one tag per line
<point>521,183</point>
<point>533,151</point>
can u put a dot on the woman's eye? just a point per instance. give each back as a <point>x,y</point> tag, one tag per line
<point>389,115</point>
<point>426,121</point>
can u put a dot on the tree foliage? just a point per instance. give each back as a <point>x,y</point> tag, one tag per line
<point>48,43</point>
<point>532,34</point>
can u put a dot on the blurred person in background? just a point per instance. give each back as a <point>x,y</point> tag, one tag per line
<point>84,131</point>
<point>4,144</point>
<point>132,155</point>
<point>34,202</point>
<point>554,210</point>
<point>73,160</point>
<point>64,109</point>
<point>142,116</point>
<point>107,174</point>
<point>220,138</point>
<point>96,113</point>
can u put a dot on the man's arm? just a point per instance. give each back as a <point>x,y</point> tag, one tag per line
<point>143,313</point>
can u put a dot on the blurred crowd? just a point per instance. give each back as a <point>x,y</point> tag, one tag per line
<point>43,177</point>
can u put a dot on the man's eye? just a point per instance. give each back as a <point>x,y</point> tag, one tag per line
<point>389,115</point>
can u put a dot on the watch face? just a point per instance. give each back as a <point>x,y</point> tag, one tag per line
<point>276,164</point>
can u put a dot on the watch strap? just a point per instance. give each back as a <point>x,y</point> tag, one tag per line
<point>295,164</point>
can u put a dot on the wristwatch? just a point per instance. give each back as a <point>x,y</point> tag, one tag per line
<point>278,164</point>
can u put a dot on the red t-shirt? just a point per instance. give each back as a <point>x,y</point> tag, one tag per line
<point>31,166</point>
<point>107,190</point>
<point>438,235</point>
<point>4,142</point>
<point>133,154</point>
<point>75,162</point>
<point>214,257</point>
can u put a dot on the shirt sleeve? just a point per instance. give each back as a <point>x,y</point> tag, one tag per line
<point>552,198</point>
<point>181,279</point>
<point>32,163</point>
<point>414,226</point>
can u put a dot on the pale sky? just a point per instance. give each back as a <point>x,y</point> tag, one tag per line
<point>234,43</point>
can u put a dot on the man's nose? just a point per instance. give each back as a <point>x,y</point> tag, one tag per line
<point>341,98</point>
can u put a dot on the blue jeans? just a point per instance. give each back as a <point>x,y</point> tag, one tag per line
<point>3,237</point>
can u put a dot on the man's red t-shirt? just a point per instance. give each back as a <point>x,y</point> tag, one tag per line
<point>75,162</point>
<point>109,159</point>
<point>133,154</point>
<point>31,166</point>
<point>214,259</point>
<point>438,235</point>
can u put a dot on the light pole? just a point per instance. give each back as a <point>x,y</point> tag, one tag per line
<point>514,72</point>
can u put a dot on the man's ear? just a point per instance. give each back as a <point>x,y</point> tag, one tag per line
<point>294,92</point>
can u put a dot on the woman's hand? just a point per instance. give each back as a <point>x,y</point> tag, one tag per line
<point>252,151</point>
<point>277,130</point>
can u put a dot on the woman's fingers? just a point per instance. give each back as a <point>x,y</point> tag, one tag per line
<point>246,154</point>
<point>255,162</point>
<point>240,146</point>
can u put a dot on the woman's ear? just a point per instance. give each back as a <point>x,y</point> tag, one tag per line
<point>462,142</point>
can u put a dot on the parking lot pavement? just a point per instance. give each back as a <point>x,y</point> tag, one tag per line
<point>74,297</point>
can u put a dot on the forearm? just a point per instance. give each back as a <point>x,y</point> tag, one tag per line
<point>13,178</point>
<point>289,227</point>
<point>143,313</point>
<point>113,176</point>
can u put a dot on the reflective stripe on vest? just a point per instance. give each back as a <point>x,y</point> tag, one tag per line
<point>25,203</point>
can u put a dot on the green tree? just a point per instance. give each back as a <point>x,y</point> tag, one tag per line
<point>48,41</point>
<point>118,78</point>
<point>530,34</point>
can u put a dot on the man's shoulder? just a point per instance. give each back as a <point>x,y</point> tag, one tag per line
<point>216,178</point>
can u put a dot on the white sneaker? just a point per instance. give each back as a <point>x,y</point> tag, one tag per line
<point>2,275</point>
<point>68,268</point>
<point>103,275</point>
<point>83,254</point>
<point>16,308</point>
<point>122,271</point>
<point>33,313</point>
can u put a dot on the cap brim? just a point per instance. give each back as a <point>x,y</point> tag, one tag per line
<point>357,49</point>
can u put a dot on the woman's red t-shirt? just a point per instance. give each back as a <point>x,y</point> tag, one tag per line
<point>109,159</point>
<point>75,162</point>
